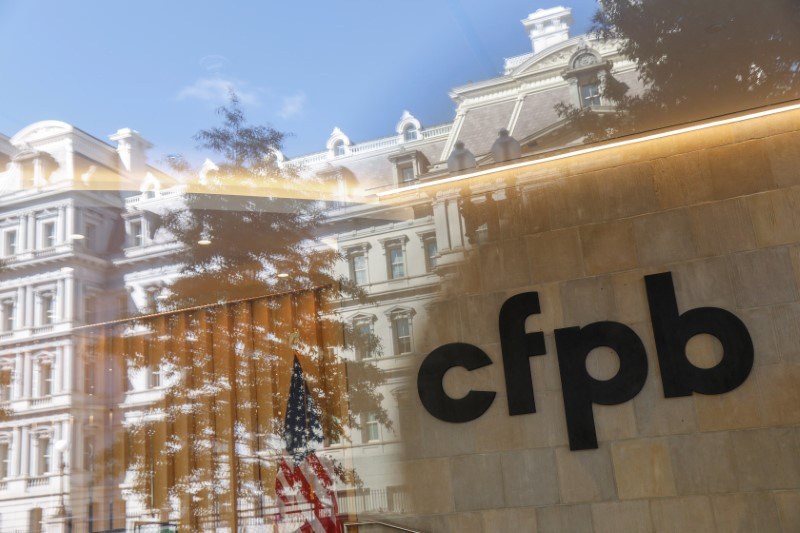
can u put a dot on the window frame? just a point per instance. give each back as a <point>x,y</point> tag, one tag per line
<point>8,311</point>
<point>7,233</point>
<point>48,234</point>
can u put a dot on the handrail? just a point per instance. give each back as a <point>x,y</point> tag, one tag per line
<point>375,522</point>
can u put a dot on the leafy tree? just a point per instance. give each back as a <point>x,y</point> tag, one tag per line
<point>258,289</point>
<point>696,59</point>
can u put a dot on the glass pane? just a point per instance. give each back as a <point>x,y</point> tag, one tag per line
<point>583,229</point>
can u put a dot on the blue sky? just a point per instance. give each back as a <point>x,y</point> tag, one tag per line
<point>303,67</point>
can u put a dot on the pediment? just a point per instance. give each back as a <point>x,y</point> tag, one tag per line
<point>40,130</point>
<point>558,57</point>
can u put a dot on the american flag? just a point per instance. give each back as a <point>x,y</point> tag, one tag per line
<point>304,484</point>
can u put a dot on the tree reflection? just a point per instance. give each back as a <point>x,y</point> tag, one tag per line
<point>197,394</point>
<point>696,60</point>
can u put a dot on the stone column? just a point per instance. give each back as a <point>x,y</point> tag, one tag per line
<point>31,224</point>
<point>16,453</point>
<point>24,462</point>
<point>68,362</point>
<point>27,381</point>
<point>69,222</point>
<point>19,377</point>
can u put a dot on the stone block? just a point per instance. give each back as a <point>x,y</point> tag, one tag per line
<point>759,324</point>
<point>478,314</point>
<point>563,518</point>
<point>529,478</point>
<point>608,247</point>
<point>585,476</point>
<point>703,463</point>
<point>789,509</point>
<point>780,393</point>
<point>679,515</point>
<point>615,422</point>
<point>427,497</point>
<point>614,517</point>
<point>783,152</point>
<point>703,283</point>
<point>643,469</point>
<point>551,316</point>
<point>547,427</point>
<point>495,430</point>
<point>738,408</point>
<point>630,296</point>
<point>745,513</point>
<point>722,227</point>
<point>465,523</point>
<point>441,439</point>
<point>664,237</point>
<point>676,182</point>
<point>739,169</point>
<point>588,300</point>
<point>655,415</point>
<point>776,216</point>
<point>626,190</point>
<point>786,319</point>
<point>535,209</point>
<point>476,480</point>
<point>554,256</point>
<point>763,277</point>
<point>766,459</point>
<point>497,520</point>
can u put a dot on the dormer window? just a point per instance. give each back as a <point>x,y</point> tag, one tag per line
<point>410,133</point>
<point>407,174</point>
<point>408,165</point>
<point>587,74</point>
<point>590,94</point>
<point>338,149</point>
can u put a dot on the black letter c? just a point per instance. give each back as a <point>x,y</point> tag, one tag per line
<point>431,389</point>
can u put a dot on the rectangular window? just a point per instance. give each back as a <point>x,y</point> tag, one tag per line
<point>45,456</point>
<point>358,268</point>
<point>47,304</point>
<point>7,317</point>
<point>91,237</point>
<point>45,379</point>
<point>6,376</point>
<point>48,234</point>
<point>363,340</point>
<point>397,262</point>
<point>430,253</point>
<point>372,428</point>
<point>590,94</point>
<point>90,308</point>
<point>4,458</point>
<point>136,234</point>
<point>402,335</point>
<point>155,376</point>
<point>10,243</point>
<point>88,453</point>
<point>407,174</point>
<point>88,376</point>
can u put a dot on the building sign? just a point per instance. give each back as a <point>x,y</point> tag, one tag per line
<point>672,331</point>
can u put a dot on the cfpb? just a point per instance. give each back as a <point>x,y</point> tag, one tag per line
<point>672,331</point>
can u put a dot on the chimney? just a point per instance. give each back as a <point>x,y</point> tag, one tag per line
<point>547,27</point>
<point>131,148</point>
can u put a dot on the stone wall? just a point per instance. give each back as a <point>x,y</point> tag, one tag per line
<point>720,209</point>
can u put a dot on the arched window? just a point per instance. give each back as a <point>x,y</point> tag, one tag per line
<point>338,148</point>
<point>410,133</point>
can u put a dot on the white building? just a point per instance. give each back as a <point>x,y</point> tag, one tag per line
<point>77,251</point>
